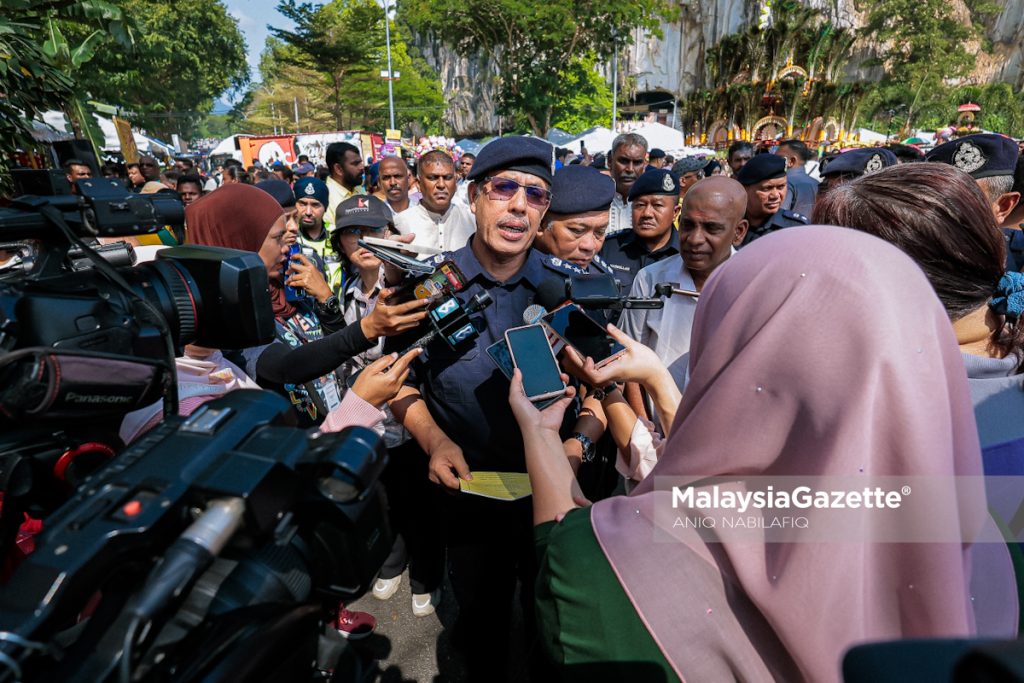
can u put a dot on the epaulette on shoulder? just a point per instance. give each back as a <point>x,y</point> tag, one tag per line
<point>794,216</point>
<point>561,266</point>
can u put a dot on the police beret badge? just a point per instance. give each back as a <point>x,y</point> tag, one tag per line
<point>667,183</point>
<point>969,157</point>
<point>874,164</point>
<point>310,190</point>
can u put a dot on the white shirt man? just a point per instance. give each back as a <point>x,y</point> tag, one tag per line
<point>448,231</point>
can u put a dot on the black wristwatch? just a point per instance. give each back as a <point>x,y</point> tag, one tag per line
<point>331,307</point>
<point>588,446</point>
<point>600,394</point>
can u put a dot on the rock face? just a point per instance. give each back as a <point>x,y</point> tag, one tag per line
<point>674,63</point>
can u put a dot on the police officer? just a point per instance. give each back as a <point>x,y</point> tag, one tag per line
<point>311,199</point>
<point>689,170</point>
<point>574,227</point>
<point>764,178</point>
<point>853,164</point>
<point>455,403</point>
<point>991,160</point>
<point>654,198</point>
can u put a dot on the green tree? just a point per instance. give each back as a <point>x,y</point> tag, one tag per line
<point>923,45</point>
<point>538,45</point>
<point>590,103</point>
<point>186,54</point>
<point>330,66</point>
<point>39,65</point>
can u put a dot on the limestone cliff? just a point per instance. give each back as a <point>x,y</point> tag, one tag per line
<point>674,63</point>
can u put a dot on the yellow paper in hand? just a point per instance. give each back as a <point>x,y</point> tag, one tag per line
<point>498,485</point>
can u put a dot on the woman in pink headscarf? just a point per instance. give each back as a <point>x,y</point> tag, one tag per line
<point>816,352</point>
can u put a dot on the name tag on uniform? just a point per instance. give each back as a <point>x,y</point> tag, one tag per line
<point>616,266</point>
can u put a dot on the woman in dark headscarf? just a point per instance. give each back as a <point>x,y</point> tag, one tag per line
<point>302,365</point>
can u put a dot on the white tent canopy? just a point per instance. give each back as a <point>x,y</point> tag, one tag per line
<point>867,135</point>
<point>144,143</point>
<point>228,146</point>
<point>597,139</point>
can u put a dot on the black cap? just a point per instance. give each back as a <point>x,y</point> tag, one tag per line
<point>578,189</point>
<point>688,165</point>
<point>656,153</point>
<point>762,167</point>
<point>515,153</point>
<point>279,190</point>
<point>654,181</point>
<point>982,155</point>
<point>362,210</point>
<point>858,162</point>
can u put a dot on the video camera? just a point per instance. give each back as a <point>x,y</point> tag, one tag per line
<point>54,313</point>
<point>82,343</point>
<point>217,546</point>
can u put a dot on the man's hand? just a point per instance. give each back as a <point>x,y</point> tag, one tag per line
<point>387,320</point>
<point>381,380</point>
<point>447,465</point>
<point>303,273</point>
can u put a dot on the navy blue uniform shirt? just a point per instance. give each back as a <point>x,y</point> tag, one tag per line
<point>780,219</point>
<point>464,390</point>
<point>626,254</point>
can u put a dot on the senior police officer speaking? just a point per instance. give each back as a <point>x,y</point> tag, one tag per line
<point>455,403</point>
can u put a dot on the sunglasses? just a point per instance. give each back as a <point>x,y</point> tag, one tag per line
<point>503,189</point>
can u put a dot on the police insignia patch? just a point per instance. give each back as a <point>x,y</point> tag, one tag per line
<point>969,157</point>
<point>667,183</point>
<point>875,163</point>
<point>310,189</point>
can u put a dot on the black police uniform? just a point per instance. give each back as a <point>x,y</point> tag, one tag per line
<point>782,218</point>
<point>1014,249</point>
<point>625,254</point>
<point>489,542</point>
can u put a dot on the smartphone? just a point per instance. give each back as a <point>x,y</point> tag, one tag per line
<point>499,353</point>
<point>531,353</point>
<point>577,329</point>
<point>293,293</point>
<point>397,258</point>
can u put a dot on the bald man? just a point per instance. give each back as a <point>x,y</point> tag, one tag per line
<point>393,184</point>
<point>711,226</point>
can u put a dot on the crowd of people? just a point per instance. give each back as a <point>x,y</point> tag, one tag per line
<point>885,339</point>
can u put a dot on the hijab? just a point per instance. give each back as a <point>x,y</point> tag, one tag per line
<point>238,216</point>
<point>818,351</point>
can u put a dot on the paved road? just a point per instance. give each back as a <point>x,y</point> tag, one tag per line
<point>411,648</point>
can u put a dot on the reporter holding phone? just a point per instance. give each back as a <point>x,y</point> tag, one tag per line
<point>455,402</point>
<point>300,364</point>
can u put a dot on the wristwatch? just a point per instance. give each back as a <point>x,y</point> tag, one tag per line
<point>601,393</point>
<point>330,307</point>
<point>588,446</point>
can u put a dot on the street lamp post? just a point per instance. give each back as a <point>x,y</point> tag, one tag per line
<point>615,79</point>
<point>391,74</point>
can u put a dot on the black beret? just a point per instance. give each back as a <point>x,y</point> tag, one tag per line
<point>279,190</point>
<point>982,155</point>
<point>654,181</point>
<point>688,165</point>
<point>515,153</point>
<point>858,162</point>
<point>762,167</point>
<point>656,153</point>
<point>578,189</point>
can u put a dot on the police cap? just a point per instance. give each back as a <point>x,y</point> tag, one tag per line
<point>982,155</point>
<point>515,153</point>
<point>578,189</point>
<point>762,167</point>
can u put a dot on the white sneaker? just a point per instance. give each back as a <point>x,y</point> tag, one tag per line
<point>423,604</point>
<point>385,588</point>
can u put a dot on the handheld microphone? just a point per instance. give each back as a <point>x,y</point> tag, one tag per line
<point>590,291</point>
<point>533,313</point>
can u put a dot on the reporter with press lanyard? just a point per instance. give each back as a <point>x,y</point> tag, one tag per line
<point>300,363</point>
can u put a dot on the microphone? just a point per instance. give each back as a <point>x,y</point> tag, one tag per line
<point>533,313</point>
<point>590,291</point>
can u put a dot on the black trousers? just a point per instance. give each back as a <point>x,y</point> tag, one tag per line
<point>415,517</point>
<point>490,549</point>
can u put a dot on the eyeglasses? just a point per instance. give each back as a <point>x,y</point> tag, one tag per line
<point>503,189</point>
<point>363,230</point>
